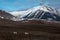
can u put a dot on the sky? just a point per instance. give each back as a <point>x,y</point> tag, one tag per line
<point>11,5</point>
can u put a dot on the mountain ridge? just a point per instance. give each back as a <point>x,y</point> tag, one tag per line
<point>40,12</point>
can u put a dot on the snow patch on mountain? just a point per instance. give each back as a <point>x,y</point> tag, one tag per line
<point>44,8</point>
<point>44,12</point>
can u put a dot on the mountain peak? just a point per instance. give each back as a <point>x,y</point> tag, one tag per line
<point>44,8</point>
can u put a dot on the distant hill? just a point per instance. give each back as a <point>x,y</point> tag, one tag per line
<point>5,15</point>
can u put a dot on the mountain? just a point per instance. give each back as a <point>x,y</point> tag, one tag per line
<point>43,12</point>
<point>5,15</point>
<point>39,12</point>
